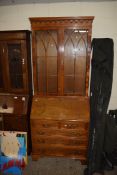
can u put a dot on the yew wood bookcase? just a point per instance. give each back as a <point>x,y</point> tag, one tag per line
<point>61,48</point>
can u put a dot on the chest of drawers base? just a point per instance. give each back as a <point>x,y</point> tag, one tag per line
<point>59,134</point>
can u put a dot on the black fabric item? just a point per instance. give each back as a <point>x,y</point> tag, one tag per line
<point>100,91</point>
<point>110,143</point>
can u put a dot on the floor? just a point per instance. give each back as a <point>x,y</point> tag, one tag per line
<point>57,166</point>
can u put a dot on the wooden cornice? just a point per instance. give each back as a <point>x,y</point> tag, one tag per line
<point>82,22</point>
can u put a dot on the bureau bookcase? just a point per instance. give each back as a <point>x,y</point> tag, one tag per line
<point>61,48</point>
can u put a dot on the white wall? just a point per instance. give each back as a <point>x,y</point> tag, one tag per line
<point>16,17</point>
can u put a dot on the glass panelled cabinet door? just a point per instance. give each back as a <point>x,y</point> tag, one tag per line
<point>47,62</point>
<point>75,56</point>
<point>1,69</point>
<point>16,65</point>
<point>13,66</point>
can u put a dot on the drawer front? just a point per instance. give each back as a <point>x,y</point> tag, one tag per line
<point>59,124</point>
<point>15,123</point>
<point>79,133</point>
<point>73,141</point>
<point>58,150</point>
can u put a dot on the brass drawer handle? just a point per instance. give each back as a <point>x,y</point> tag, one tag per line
<point>41,141</point>
<point>70,126</point>
<point>45,125</point>
<point>78,152</point>
<point>41,132</point>
<point>77,134</point>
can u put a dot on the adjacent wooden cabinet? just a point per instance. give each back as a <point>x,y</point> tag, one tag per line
<point>15,64</point>
<point>14,115</point>
<point>15,81</point>
<point>60,108</point>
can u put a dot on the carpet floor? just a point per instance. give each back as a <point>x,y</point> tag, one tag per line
<point>57,166</point>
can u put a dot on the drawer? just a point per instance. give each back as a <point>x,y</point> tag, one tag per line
<point>59,124</point>
<point>73,141</point>
<point>80,132</point>
<point>15,123</point>
<point>58,150</point>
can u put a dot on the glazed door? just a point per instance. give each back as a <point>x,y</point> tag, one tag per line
<point>47,62</point>
<point>1,69</point>
<point>75,59</point>
<point>14,64</point>
<point>3,63</point>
